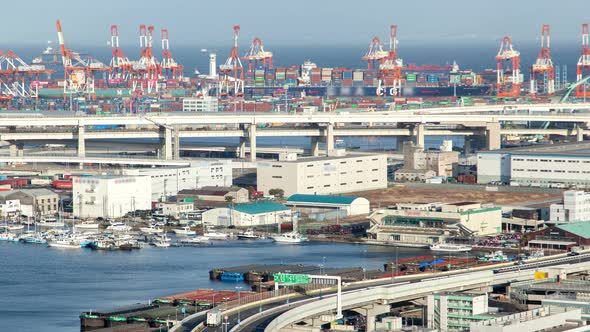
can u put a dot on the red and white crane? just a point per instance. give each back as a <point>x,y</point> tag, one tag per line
<point>544,65</point>
<point>121,67</point>
<point>390,70</point>
<point>256,55</point>
<point>231,76</point>
<point>19,79</point>
<point>375,55</point>
<point>508,70</point>
<point>583,64</point>
<point>170,69</point>
<point>147,70</point>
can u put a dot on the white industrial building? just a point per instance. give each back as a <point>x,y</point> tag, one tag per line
<point>340,173</point>
<point>323,203</point>
<point>110,196</point>
<point>575,207</point>
<point>176,210</point>
<point>248,215</point>
<point>558,165</point>
<point>168,181</point>
<point>200,104</point>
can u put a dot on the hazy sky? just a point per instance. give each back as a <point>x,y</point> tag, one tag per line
<point>294,22</point>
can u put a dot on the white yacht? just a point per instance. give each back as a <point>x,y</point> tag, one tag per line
<point>50,223</point>
<point>152,229</point>
<point>193,241</point>
<point>290,237</point>
<point>248,235</point>
<point>15,228</point>
<point>450,247</point>
<point>184,231</point>
<point>119,227</point>
<point>162,242</point>
<point>215,235</point>
<point>87,226</point>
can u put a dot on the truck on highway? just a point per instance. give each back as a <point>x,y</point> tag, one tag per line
<point>214,317</point>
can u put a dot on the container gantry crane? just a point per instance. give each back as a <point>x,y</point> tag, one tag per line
<point>120,66</point>
<point>390,71</point>
<point>147,70</point>
<point>583,64</point>
<point>232,72</point>
<point>375,55</point>
<point>508,77</point>
<point>544,65</point>
<point>257,56</point>
<point>170,69</point>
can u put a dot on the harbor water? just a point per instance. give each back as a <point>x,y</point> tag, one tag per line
<point>45,289</point>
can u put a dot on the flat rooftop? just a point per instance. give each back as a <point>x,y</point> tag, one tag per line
<point>577,149</point>
<point>348,155</point>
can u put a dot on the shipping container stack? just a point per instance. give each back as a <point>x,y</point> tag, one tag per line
<point>347,77</point>
<point>270,77</point>
<point>316,76</point>
<point>357,78</point>
<point>370,78</point>
<point>327,75</point>
<point>280,76</point>
<point>259,78</point>
<point>337,76</point>
<point>292,75</point>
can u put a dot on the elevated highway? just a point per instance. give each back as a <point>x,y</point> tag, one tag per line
<point>170,128</point>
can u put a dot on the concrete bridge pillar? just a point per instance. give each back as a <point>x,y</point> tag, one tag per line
<point>81,141</point>
<point>252,139</point>
<point>371,312</point>
<point>241,152</point>
<point>401,140</point>
<point>418,134</point>
<point>467,145</point>
<point>13,150</point>
<point>176,144</point>
<point>329,137</point>
<point>166,144</point>
<point>579,134</point>
<point>315,146</point>
<point>493,138</point>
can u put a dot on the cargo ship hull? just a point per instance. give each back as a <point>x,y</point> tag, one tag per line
<point>370,91</point>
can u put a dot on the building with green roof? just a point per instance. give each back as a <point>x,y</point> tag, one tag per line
<point>305,203</point>
<point>562,237</point>
<point>248,215</point>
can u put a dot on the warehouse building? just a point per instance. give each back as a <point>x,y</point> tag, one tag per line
<point>561,237</point>
<point>558,165</point>
<point>168,181</point>
<point>215,194</point>
<point>324,203</point>
<point>32,202</point>
<point>248,215</point>
<point>110,196</point>
<point>336,174</point>
<point>422,224</point>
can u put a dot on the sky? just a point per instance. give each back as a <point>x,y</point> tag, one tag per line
<point>209,23</point>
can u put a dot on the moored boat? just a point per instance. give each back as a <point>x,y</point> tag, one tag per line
<point>450,247</point>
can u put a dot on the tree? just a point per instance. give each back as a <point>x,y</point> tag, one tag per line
<point>277,192</point>
<point>229,199</point>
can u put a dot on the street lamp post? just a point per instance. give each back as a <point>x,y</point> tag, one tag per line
<point>239,288</point>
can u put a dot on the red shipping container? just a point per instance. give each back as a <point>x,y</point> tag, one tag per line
<point>62,184</point>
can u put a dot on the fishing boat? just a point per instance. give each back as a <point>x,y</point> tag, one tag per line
<point>290,237</point>
<point>50,223</point>
<point>450,247</point>
<point>64,243</point>
<point>34,238</point>
<point>7,236</point>
<point>184,231</point>
<point>105,244</point>
<point>248,235</point>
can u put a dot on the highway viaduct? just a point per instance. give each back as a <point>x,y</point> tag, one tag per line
<point>169,128</point>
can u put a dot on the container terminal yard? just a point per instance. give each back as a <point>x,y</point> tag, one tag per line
<point>248,81</point>
<point>405,197</point>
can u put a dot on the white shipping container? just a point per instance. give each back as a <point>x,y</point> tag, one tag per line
<point>40,182</point>
<point>357,76</point>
